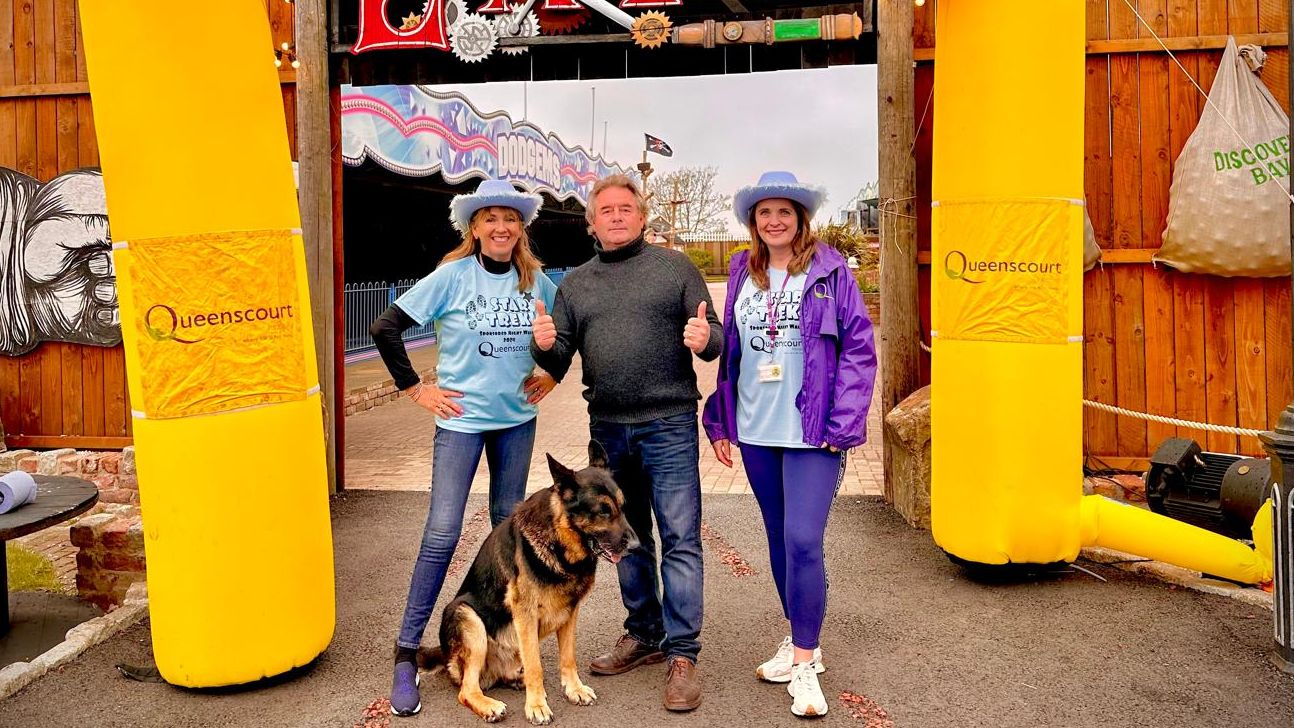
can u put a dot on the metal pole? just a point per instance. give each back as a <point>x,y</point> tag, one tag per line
<point>593,116</point>
<point>1280,446</point>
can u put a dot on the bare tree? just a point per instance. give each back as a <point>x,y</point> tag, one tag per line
<point>698,207</point>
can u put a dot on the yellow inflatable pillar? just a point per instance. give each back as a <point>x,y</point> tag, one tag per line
<point>1006,280</point>
<point>215,317</point>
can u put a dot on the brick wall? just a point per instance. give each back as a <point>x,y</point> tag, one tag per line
<point>873,303</point>
<point>376,395</point>
<point>112,472</point>
<point>111,556</point>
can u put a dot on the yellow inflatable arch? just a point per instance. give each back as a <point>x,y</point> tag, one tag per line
<point>1007,304</point>
<point>215,318</point>
<point>220,358</point>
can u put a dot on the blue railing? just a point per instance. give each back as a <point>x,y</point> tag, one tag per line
<point>365,302</point>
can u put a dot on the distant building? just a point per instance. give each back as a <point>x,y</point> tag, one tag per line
<point>862,210</point>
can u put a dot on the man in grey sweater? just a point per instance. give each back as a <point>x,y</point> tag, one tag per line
<point>637,314</point>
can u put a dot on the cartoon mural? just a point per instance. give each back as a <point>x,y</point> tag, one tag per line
<point>56,275</point>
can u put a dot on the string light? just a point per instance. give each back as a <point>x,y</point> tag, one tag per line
<point>286,52</point>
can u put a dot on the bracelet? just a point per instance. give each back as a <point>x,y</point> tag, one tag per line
<point>417,390</point>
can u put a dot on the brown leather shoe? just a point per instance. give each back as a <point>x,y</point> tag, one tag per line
<point>625,656</point>
<point>682,685</point>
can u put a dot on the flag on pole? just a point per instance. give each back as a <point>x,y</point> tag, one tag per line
<point>655,144</point>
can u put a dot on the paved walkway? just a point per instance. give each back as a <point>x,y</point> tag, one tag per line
<point>909,641</point>
<point>389,447</point>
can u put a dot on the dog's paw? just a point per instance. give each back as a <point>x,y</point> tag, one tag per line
<point>491,710</point>
<point>539,713</point>
<point>579,693</point>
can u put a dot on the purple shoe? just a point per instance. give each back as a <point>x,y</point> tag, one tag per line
<point>404,689</point>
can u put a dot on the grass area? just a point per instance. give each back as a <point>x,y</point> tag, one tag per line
<point>29,571</point>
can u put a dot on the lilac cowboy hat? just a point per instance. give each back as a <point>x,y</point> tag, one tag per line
<point>493,193</point>
<point>776,184</point>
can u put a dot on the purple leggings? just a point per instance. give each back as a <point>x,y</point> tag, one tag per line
<point>795,487</point>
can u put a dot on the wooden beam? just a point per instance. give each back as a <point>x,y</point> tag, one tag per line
<point>32,90</point>
<point>339,280</point>
<point>543,40</point>
<point>78,442</point>
<point>287,76</point>
<point>1109,256</point>
<point>1150,45</point>
<point>896,111</point>
<point>1117,462</point>
<point>314,157</point>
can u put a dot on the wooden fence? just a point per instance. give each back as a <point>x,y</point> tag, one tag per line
<point>65,395</point>
<point>718,248</point>
<point>1201,348</point>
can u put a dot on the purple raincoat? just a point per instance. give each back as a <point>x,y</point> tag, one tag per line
<point>839,357</point>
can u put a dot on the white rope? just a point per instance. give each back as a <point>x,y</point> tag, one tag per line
<point>1171,420</point>
<point>1155,418</point>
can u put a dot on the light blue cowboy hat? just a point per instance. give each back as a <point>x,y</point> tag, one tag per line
<point>493,193</point>
<point>776,184</point>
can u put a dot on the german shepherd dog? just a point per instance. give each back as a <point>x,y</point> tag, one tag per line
<point>528,581</point>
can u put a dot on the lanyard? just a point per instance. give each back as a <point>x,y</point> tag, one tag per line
<point>772,310</point>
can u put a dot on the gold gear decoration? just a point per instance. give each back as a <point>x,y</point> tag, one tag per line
<point>651,29</point>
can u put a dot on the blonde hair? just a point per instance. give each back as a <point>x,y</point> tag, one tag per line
<point>615,180</point>
<point>801,247</point>
<point>523,257</point>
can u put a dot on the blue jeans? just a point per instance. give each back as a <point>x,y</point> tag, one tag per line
<point>453,464</point>
<point>655,465</point>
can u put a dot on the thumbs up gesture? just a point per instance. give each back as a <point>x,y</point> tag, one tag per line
<point>697,332</point>
<point>543,329</point>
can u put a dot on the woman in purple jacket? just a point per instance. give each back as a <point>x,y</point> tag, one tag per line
<point>795,382</point>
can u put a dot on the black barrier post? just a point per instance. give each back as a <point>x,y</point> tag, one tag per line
<point>1280,446</point>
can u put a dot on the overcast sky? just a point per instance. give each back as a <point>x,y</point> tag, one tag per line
<point>819,124</point>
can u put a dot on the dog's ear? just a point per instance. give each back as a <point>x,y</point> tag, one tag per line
<point>597,455</point>
<point>561,473</point>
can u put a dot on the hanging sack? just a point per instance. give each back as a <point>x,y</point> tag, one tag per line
<point>1091,251</point>
<point>1228,207</point>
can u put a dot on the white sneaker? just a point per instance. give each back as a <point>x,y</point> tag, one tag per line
<point>808,701</point>
<point>778,669</point>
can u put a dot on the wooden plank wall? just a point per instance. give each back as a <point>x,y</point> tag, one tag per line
<point>1200,348</point>
<point>65,395</point>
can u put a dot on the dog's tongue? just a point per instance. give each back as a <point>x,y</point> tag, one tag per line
<point>615,558</point>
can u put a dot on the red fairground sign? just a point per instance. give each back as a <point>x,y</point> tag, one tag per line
<point>416,31</point>
<point>448,25</point>
<point>649,3</point>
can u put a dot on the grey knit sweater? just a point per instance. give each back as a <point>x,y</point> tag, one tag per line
<point>624,312</point>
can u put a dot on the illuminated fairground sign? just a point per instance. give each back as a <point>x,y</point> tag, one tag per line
<point>413,131</point>
<point>514,26</point>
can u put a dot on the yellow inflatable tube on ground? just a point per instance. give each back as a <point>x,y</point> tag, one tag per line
<point>215,315</point>
<point>1137,531</point>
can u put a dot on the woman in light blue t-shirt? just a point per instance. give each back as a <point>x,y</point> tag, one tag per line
<point>483,299</point>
